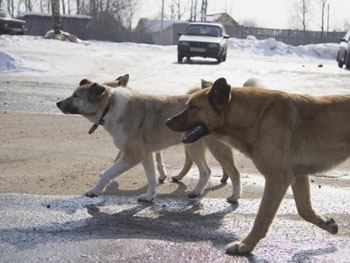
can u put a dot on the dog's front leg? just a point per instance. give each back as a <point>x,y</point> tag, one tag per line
<point>275,189</point>
<point>148,165</point>
<point>160,166</point>
<point>120,166</point>
<point>197,154</point>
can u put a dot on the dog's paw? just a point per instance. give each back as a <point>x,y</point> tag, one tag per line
<point>224,179</point>
<point>176,178</point>
<point>193,194</point>
<point>161,179</point>
<point>331,226</point>
<point>233,199</point>
<point>145,198</point>
<point>91,193</point>
<point>238,248</point>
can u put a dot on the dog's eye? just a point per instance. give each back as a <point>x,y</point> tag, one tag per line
<point>192,107</point>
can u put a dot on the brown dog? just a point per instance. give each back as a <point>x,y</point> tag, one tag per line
<point>251,82</point>
<point>287,136</point>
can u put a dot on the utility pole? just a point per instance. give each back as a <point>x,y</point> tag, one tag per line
<point>161,24</point>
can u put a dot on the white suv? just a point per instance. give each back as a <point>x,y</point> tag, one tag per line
<point>208,40</point>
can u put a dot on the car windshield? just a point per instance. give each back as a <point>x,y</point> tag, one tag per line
<point>4,13</point>
<point>203,30</point>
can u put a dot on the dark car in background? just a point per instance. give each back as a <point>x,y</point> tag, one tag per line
<point>200,39</point>
<point>9,25</point>
<point>343,57</point>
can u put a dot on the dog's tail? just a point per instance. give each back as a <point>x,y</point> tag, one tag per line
<point>204,84</point>
<point>253,82</point>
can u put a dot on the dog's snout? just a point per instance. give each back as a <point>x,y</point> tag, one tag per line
<point>58,104</point>
<point>62,105</point>
<point>173,124</point>
<point>169,123</point>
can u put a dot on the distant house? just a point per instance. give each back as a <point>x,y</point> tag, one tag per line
<point>172,28</point>
<point>222,18</point>
<point>147,25</point>
<point>169,35</point>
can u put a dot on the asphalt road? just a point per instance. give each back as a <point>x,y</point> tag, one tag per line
<point>37,228</point>
<point>116,228</point>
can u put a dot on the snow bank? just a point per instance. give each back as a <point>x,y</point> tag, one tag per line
<point>272,47</point>
<point>246,47</point>
<point>7,63</point>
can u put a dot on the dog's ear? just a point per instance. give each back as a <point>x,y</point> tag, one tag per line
<point>206,84</point>
<point>84,82</point>
<point>220,93</point>
<point>96,92</point>
<point>123,80</point>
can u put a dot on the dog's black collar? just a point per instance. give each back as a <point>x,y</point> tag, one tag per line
<point>101,121</point>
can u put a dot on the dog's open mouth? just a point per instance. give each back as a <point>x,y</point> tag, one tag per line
<point>195,133</point>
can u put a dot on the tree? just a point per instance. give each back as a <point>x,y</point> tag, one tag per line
<point>301,14</point>
<point>176,10</point>
<point>204,10</point>
<point>128,13</point>
<point>193,16</point>
<point>56,19</point>
<point>249,23</point>
<point>323,13</point>
<point>346,24</point>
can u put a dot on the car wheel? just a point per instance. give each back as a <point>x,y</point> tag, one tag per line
<point>340,63</point>
<point>179,58</point>
<point>347,61</point>
<point>224,57</point>
<point>220,58</point>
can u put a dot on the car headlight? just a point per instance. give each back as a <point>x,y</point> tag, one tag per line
<point>183,43</point>
<point>213,45</point>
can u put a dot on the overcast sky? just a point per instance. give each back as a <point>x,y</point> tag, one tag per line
<point>265,13</point>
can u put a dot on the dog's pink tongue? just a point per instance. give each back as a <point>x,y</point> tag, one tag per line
<point>183,137</point>
<point>194,134</point>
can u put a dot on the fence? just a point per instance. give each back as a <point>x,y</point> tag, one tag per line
<point>39,24</point>
<point>291,37</point>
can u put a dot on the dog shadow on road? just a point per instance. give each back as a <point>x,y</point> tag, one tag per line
<point>195,222</point>
<point>306,255</point>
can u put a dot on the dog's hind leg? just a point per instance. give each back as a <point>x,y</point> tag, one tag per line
<point>275,188</point>
<point>150,169</point>
<point>187,166</point>
<point>301,192</point>
<point>197,153</point>
<point>160,166</point>
<point>224,155</point>
<point>123,163</point>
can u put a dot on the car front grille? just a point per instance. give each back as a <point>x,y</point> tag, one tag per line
<point>198,44</point>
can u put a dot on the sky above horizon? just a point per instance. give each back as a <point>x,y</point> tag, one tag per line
<point>264,13</point>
